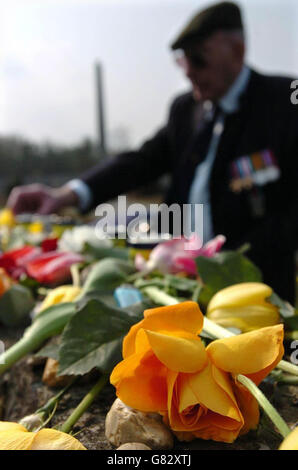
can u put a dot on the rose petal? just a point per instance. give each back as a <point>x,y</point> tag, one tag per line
<point>291,441</point>
<point>51,439</point>
<point>180,352</point>
<point>249,408</point>
<point>185,316</point>
<point>215,397</point>
<point>15,439</point>
<point>140,382</point>
<point>218,428</point>
<point>188,415</point>
<point>248,353</point>
<point>9,426</point>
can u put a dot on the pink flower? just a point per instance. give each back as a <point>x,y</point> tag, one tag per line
<point>178,255</point>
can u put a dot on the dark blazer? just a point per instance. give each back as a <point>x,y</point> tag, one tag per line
<point>266,119</point>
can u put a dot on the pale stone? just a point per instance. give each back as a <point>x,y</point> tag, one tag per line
<point>50,377</point>
<point>125,424</point>
<point>133,446</point>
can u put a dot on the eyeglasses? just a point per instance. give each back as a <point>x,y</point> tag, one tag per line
<point>196,61</point>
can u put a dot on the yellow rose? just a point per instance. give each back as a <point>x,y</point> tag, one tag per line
<point>14,436</point>
<point>167,369</point>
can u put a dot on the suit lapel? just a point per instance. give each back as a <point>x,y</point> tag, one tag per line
<point>231,142</point>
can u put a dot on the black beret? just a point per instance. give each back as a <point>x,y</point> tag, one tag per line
<point>221,16</point>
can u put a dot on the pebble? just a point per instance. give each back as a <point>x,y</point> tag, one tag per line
<point>50,377</point>
<point>127,425</point>
<point>133,446</point>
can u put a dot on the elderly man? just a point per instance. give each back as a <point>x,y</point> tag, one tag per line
<point>230,144</point>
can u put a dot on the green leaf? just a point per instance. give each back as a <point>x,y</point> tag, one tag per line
<point>286,310</point>
<point>15,305</point>
<point>100,252</point>
<point>181,283</point>
<point>154,281</point>
<point>291,323</point>
<point>169,281</point>
<point>17,239</point>
<point>29,283</point>
<point>50,322</point>
<point>106,275</point>
<point>103,295</point>
<point>223,270</point>
<point>49,350</point>
<point>94,336</point>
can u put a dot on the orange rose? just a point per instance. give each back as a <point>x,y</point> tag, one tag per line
<point>167,369</point>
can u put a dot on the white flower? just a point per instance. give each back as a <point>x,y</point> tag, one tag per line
<point>74,239</point>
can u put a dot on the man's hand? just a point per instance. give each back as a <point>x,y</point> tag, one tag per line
<point>40,199</point>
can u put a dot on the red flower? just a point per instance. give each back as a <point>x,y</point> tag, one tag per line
<point>49,244</point>
<point>52,267</point>
<point>15,261</point>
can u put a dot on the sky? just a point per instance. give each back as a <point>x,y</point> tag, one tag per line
<point>49,48</point>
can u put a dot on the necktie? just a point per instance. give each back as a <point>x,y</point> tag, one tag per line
<point>203,136</point>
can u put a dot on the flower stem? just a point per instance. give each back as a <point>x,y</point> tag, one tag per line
<point>288,367</point>
<point>159,296</point>
<point>14,353</point>
<point>196,294</point>
<point>288,379</point>
<point>52,402</point>
<point>214,330</point>
<point>84,404</point>
<point>275,417</point>
<point>75,274</point>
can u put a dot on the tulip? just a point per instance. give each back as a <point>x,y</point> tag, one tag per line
<point>36,227</point>
<point>14,436</point>
<point>243,306</point>
<point>52,267</point>
<point>291,441</point>
<point>167,369</point>
<point>178,255</point>
<point>49,244</point>
<point>15,261</point>
<point>7,218</point>
<point>59,295</point>
<point>7,223</point>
